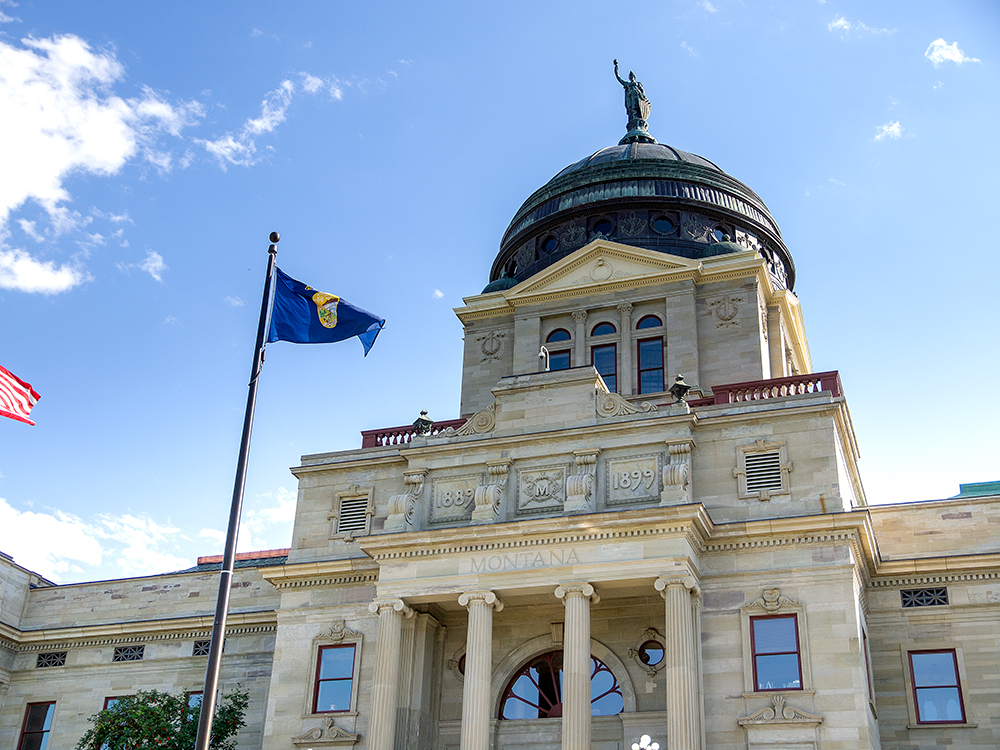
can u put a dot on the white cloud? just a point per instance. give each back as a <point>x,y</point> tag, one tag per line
<point>707,6</point>
<point>836,182</point>
<point>137,543</point>
<point>241,148</point>
<point>154,265</point>
<point>20,271</point>
<point>689,49</point>
<point>841,24</point>
<point>438,294</point>
<point>311,84</point>
<point>235,301</point>
<point>266,527</point>
<point>940,51</point>
<point>61,111</point>
<point>889,130</point>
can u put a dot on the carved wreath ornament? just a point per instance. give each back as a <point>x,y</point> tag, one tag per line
<point>490,345</point>
<point>725,310</point>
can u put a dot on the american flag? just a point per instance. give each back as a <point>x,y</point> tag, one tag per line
<point>16,397</point>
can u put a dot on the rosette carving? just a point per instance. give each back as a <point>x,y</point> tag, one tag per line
<point>481,422</point>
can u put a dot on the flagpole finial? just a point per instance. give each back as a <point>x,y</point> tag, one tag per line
<point>274,237</point>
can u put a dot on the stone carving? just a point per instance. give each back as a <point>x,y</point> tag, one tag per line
<point>613,405</point>
<point>402,508</point>
<point>726,309</point>
<point>337,633</point>
<point>763,320</point>
<point>525,257</point>
<point>696,228</point>
<point>635,653</point>
<point>631,225</point>
<point>677,475</point>
<point>489,496</point>
<point>771,600</point>
<point>580,486</point>
<point>625,310</point>
<point>602,271</point>
<point>327,735</point>
<point>491,345</point>
<point>780,713</point>
<point>637,106</point>
<point>633,480</point>
<point>580,317</point>
<point>574,235</point>
<point>452,498</point>
<point>479,423</point>
<point>541,490</point>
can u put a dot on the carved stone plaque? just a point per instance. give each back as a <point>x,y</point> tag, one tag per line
<point>633,480</point>
<point>541,490</point>
<point>452,498</point>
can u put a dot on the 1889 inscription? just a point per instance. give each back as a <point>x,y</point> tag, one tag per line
<point>452,498</point>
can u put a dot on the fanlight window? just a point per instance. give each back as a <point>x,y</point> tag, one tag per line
<point>535,692</point>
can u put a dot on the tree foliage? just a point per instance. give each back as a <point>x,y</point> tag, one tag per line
<point>151,720</point>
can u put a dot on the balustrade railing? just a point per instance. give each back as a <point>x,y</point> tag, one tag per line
<point>402,434</point>
<point>757,390</point>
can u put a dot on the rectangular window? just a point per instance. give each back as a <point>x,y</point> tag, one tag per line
<point>774,642</point>
<point>937,693</point>
<point>605,361</point>
<point>53,659</point>
<point>334,679</point>
<point>559,360</point>
<point>353,515</point>
<point>129,653</point>
<point>651,365</point>
<point>36,727</point>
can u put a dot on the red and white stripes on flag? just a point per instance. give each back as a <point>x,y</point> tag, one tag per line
<point>16,397</point>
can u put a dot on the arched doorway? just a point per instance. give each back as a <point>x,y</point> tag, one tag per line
<point>535,690</point>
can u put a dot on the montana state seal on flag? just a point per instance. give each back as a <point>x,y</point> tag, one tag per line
<point>303,315</point>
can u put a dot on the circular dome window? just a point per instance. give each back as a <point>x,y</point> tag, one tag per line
<point>651,653</point>
<point>719,234</point>
<point>663,225</point>
<point>604,228</point>
<point>550,243</point>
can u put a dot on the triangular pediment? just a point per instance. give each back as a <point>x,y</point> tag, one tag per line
<point>602,263</point>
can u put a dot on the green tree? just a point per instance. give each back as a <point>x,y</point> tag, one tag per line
<point>151,720</point>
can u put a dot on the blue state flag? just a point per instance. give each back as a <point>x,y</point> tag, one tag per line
<point>303,315</point>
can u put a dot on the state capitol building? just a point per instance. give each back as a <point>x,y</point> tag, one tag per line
<point>592,552</point>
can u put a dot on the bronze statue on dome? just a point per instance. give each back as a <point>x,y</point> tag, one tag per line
<point>637,106</point>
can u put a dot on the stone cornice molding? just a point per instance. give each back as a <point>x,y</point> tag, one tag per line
<point>181,628</point>
<point>350,572</point>
<point>586,590</point>
<point>486,596</point>
<point>347,460</point>
<point>397,605</point>
<point>688,520</point>
<point>926,571</point>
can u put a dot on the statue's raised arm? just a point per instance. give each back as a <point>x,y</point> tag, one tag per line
<point>623,83</point>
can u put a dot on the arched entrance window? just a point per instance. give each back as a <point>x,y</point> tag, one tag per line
<point>535,692</point>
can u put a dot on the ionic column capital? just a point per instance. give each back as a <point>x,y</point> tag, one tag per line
<point>398,605</point>
<point>565,590</point>
<point>686,581</point>
<point>486,596</point>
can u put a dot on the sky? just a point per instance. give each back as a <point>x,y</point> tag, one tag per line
<point>147,151</point>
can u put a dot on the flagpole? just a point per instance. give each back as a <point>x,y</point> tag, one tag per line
<point>208,698</point>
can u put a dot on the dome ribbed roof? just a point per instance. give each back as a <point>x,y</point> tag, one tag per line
<point>637,151</point>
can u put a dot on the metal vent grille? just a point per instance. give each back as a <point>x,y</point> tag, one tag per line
<point>201,648</point>
<point>353,515</point>
<point>129,653</point>
<point>763,471</point>
<point>924,597</point>
<point>54,659</point>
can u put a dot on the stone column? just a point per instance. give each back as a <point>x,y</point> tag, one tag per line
<point>385,682</point>
<point>580,355</point>
<point>680,670</point>
<point>576,664</point>
<point>478,668</point>
<point>625,356</point>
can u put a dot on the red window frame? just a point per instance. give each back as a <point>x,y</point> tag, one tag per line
<point>613,387</point>
<point>638,355</point>
<point>47,721</point>
<point>957,686</point>
<point>644,324</point>
<point>544,673</point>
<point>551,338</point>
<point>318,681</point>
<point>754,655</point>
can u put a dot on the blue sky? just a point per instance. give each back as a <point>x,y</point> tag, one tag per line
<point>148,150</point>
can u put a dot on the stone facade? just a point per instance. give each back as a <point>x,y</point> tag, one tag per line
<point>714,564</point>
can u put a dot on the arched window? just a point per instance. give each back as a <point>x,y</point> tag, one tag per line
<point>535,692</point>
<point>560,334</point>
<point>649,321</point>
<point>602,328</point>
